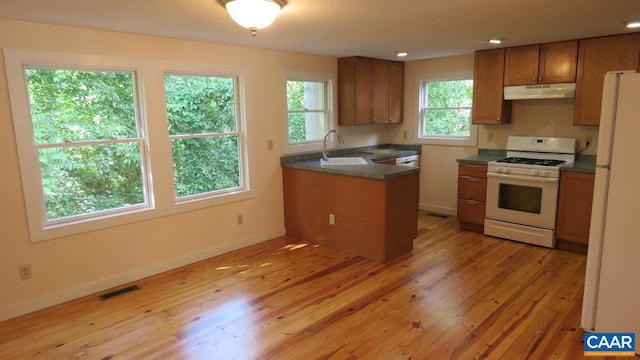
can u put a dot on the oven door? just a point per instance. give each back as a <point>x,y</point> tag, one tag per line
<point>521,199</point>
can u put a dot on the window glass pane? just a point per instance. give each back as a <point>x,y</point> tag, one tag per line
<point>206,164</point>
<point>78,105</point>
<point>307,126</point>
<point>447,108</point>
<point>306,104</point>
<point>87,179</point>
<point>447,94</point>
<point>305,95</point>
<point>200,104</point>
<point>447,121</point>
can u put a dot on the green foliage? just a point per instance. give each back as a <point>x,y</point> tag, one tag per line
<point>295,101</point>
<point>448,107</point>
<point>203,108</point>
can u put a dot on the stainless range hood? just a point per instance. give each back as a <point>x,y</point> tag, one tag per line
<point>544,91</point>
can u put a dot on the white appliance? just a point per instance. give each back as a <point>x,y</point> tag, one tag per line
<point>522,189</point>
<point>612,282</point>
<point>543,91</point>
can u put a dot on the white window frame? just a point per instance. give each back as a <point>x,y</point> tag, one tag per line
<point>450,140</point>
<point>315,145</point>
<point>161,200</point>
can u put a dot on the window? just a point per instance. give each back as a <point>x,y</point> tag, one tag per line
<point>445,114</point>
<point>95,150</point>
<point>306,110</point>
<point>86,133</point>
<point>203,129</point>
<point>310,99</point>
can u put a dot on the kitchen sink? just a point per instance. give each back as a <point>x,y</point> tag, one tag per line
<point>343,161</point>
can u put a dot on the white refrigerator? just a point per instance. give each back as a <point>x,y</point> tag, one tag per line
<point>612,282</point>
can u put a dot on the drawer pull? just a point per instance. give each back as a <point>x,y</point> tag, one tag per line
<point>472,202</point>
<point>470,178</point>
<point>471,166</point>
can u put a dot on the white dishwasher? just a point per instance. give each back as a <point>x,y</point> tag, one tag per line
<point>411,161</point>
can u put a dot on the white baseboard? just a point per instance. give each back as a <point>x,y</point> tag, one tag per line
<point>65,295</point>
<point>436,209</point>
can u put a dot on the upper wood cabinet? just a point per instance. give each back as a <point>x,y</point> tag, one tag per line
<point>549,63</point>
<point>489,106</point>
<point>596,57</point>
<point>370,91</point>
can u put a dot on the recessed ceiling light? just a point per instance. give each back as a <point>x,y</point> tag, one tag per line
<point>495,41</point>
<point>633,24</point>
<point>401,53</point>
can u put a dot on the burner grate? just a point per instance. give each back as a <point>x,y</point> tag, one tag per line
<point>528,161</point>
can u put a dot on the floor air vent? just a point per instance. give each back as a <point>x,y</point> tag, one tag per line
<point>118,292</point>
<point>438,215</point>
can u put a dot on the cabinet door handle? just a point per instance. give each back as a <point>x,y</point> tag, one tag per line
<point>534,79</point>
<point>471,166</point>
<point>472,202</point>
<point>497,120</point>
<point>373,120</point>
<point>539,79</point>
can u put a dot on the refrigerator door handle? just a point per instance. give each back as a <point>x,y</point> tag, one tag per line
<point>603,167</point>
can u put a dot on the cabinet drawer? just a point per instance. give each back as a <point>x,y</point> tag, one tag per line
<point>471,211</point>
<point>472,188</point>
<point>474,170</point>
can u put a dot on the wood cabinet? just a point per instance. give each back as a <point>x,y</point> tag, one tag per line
<point>373,218</point>
<point>472,193</point>
<point>596,57</point>
<point>549,63</point>
<point>489,106</point>
<point>574,207</point>
<point>370,91</point>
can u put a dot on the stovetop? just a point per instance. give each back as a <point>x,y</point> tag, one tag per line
<point>530,161</point>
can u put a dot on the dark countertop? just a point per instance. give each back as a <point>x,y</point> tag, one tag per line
<point>582,163</point>
<point>483,156</point>
<point>311,161</point>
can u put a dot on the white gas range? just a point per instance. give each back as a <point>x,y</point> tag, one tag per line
<point>522,189</point>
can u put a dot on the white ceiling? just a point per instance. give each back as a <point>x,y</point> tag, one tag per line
<point>374,28</point>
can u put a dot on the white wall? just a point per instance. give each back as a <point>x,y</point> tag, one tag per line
<point>73,266</point>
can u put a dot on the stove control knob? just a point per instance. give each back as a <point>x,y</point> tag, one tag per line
<point>536,173</point>
<point>544,173</point>
<point>506,170</point>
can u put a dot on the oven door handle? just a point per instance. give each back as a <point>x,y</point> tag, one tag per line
<point>522,178</point>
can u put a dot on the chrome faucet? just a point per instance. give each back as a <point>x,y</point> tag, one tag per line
<point>324,142</point>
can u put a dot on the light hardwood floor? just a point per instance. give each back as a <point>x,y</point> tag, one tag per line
<point>459,295</point>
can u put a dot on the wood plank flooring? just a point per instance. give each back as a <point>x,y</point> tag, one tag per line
<point>459,295</point>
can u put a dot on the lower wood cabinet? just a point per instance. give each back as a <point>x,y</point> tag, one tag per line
<point>372,218</point>
<point>472,193</point>
<point>574,208</point>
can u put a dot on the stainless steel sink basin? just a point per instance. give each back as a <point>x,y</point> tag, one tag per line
<point>343,161</point>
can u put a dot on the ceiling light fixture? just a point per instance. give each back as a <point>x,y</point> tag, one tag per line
<point>633,24</point>
<point>495,41</point>
<point>402,53</point>
<point>253,14</point>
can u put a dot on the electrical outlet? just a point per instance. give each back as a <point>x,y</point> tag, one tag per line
<point>404,134</point>
<point>332,219</point>
<point>588,139</point>
<point>25,272</point>
<point>240,219</point>
<point>490,137</point>
<point>270,145</point>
